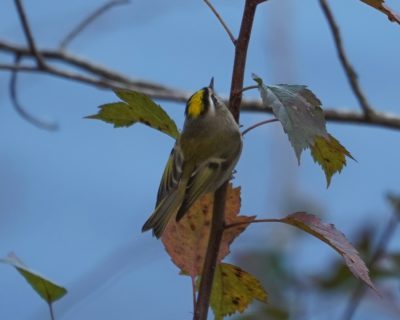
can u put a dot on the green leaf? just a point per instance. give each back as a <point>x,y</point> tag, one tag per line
<point>300,113</point>
<point>233,290</point>
<point>48,290</point>
<point>136,107</point>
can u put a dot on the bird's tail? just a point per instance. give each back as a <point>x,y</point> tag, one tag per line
<point>167,208</point>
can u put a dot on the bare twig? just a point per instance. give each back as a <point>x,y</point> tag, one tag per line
<point>224,25</point>
<point>249,88</point>
<point>350,73</point>
<point>382,119</point>
<point>28,33</point>
<point>20,109</point>
<point>166,94</point>
<point>88,20</point>
<point>258,124</point>
<point>82,64</point>
<point>112,79</point>
<point>217,223</point>
<point>380,249</point>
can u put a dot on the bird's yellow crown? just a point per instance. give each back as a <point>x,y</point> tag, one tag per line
<point>196,105</point>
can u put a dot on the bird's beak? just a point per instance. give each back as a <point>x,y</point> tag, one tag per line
<point>211,85</point>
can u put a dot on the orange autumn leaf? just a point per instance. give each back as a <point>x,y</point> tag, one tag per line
<point>186,241</point>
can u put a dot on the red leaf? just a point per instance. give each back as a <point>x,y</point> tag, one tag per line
<point>330,235</point>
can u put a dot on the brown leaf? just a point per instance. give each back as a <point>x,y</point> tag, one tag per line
<point>186,241</point>
<point>334,238</point>
<point>382,7</point>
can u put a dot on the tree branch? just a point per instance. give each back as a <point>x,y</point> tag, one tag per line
<point>350,73</point>
<point>20,109</point>
<point>82,64</point>
<point>88,20</point>
<point>106,78</point>
<point>28,33</point>
<point>217,223</point>
<point>224,25</point>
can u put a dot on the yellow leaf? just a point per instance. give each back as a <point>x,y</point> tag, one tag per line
<point>330,154</point>
<point>233,290</point>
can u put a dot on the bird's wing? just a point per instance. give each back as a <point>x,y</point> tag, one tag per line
<point>206,178</point>
<point>172,174</point>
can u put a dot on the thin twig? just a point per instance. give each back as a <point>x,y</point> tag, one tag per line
<point>217,223</point>
<point>249,88</point>
<point>28,33</point>
<point>166,94</point>
<point>380,249</point>
<point>258,124</point>
<point>224,25</point>
<point>88,20</point>
<point>20,109</point>
<point>350,73</point>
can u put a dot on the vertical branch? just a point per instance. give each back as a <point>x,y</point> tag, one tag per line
<point>235,97</point>
<point>217,223</point>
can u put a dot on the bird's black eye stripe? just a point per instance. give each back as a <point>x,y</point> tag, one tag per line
<point>214,99</point>
<point>206,104</point>
<point>213,165</point>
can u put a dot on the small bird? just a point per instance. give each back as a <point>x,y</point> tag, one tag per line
<point>201,160</point>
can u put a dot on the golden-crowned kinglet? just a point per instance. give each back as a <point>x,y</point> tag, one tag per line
<point>202,159</point>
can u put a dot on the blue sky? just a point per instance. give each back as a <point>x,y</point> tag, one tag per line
<point>72,202</point>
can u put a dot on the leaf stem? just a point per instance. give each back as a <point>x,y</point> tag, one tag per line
<point>253,221</point>
<point>52,317</point>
